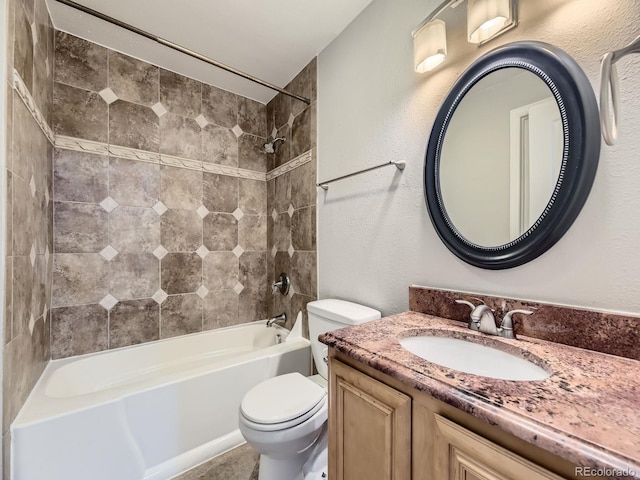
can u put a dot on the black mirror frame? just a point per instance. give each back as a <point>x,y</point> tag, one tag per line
<point>579,113</point>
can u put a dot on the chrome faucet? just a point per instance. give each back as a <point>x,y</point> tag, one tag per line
<point>282,318</point>
<point>482,320</point>
<point>282,285</point>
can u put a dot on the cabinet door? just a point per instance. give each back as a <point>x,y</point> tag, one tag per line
<point>463,455</point>
<point>369,428</point>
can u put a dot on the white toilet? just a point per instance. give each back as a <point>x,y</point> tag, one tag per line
<point>284,418</point>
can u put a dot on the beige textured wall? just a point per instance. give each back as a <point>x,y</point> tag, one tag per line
<point>375,108</point>
<point>28,207</point>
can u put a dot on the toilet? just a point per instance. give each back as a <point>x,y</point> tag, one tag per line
<point>285,417</point>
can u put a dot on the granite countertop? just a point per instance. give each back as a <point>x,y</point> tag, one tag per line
<point>587,411</point>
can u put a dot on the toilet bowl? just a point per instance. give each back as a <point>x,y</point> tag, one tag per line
<point>285,418</point>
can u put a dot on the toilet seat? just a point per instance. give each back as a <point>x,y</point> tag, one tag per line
<point>281,402</point>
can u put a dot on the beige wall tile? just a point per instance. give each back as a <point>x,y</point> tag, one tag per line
<point>220,192</point>
<point>219,106</point>
<point>78,330</point>
<point>80,176</point>
<point>134,126</point>
<point>80,63</point>
<point>180,315</point>
<point>133,322</point>
<point>79,278</point>
<point>180,94</point>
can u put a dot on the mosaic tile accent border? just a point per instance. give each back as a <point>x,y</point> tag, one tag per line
<point>25,95</point>
<point>290,165</point>
<point>81,145</point>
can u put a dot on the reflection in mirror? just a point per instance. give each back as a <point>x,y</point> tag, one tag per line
<point>501,157</point>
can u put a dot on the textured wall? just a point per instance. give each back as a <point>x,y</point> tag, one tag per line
<point>29,209</point>
<point>291,199</point>
<point>375,108</point>
<point>161,247</point>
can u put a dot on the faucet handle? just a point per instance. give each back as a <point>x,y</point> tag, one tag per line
<point>506,328</point>
<point>474,319</point>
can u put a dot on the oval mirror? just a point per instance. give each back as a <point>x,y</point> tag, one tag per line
<point>512,155</point>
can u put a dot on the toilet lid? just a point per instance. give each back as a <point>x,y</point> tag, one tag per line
<point>281,399</point>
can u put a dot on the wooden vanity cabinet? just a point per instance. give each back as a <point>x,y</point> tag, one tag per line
<point>380,429</point>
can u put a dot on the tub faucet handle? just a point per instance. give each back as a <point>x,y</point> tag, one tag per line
<point>282,284</point>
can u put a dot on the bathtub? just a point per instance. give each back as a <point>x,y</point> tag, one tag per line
<point>149,411</point>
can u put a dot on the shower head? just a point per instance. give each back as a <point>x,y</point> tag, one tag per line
<point>271,146</point>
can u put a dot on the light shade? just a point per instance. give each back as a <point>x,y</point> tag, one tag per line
<point>487,18</point>
<point>430,46</point>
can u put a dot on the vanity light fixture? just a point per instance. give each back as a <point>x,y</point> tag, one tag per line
<point>429,46</point>
<point>489,18</point>
<point>486,19</point>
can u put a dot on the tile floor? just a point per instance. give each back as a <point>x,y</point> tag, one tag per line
<point>238,464</point>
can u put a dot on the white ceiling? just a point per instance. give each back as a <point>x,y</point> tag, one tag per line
<point>270,39</point>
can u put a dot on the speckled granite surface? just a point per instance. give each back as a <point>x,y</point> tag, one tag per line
<point>605,332</point>
<point>587,411</point>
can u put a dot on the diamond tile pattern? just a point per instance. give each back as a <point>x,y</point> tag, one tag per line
<point>108,302</point>
<point>109,204</point>
<point>160,252</point>
<point>202,251</point>
<point>238,214</point>
<point>109,253</point>
<point>160,296</point>
<point>217,277</point>
<point>202,211</point>
<point>32,186</point>
<point>200,120</point>
<point>108,95</point>
<point>32,324</point>
<point>202,291</point>
<point>159,109</point>
<point>160,208</point>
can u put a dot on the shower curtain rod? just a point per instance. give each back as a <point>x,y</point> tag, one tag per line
<point>181,49</point>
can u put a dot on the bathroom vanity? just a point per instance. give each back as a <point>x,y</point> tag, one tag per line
<point>394,415</point>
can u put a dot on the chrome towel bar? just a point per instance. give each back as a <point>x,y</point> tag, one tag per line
<point>325,185</point>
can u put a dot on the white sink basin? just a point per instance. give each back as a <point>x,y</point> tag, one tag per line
<point>473,358</point>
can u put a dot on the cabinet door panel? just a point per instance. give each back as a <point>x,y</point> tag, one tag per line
<point>369,428</point>
<point>462,455</point>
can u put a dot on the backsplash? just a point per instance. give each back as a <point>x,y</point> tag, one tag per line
<point>161,202</point>
<point>28,203</point>
<point>605,332</point>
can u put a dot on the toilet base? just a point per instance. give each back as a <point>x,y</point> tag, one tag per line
<point>308,465</point>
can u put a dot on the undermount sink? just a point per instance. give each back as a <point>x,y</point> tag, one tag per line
<point>470,357</point>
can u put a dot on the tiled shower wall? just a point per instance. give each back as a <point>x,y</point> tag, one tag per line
<point>160,202</point>
<point>291,195</point>
<point>29,209</point>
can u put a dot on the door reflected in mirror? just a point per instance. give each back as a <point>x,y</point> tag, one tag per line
<point>501,157</point>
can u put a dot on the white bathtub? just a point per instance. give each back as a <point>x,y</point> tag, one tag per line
<point>149,411</point>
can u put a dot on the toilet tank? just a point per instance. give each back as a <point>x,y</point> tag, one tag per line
<point>331,314</point>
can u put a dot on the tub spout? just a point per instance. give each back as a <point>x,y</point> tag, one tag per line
<point>282,318</point>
